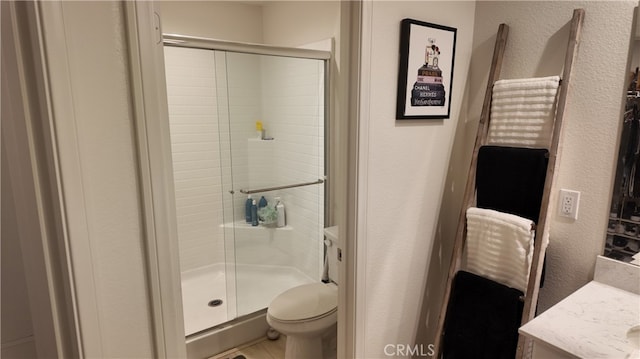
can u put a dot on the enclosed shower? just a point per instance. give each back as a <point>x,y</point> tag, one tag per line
<point>220,96</point>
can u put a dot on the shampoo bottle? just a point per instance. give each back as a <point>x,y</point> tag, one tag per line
<point>260,130</point>
<point>254,213</point>
<point>262,203</point>
<point>280,210</point>
<point>247,209</point>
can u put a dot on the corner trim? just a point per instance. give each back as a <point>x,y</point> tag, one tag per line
<point>148,91</point>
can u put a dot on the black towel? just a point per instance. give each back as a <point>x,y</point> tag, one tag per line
<point>511,179</point>
<point>482,319</point>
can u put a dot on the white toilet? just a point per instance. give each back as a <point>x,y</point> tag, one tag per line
<point>304,313</point>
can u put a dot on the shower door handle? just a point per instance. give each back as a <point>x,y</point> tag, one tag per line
<point>250,191</point>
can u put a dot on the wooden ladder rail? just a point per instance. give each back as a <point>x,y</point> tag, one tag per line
<point>469,192</point>
<point>533,286</point>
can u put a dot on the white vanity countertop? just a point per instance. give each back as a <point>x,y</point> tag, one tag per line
<point>590,323</point>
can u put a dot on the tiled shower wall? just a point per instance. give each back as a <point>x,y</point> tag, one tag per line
<point>287,96</point>
<point>293,108</point>
<point>193,118</point>
<point>245,108</point>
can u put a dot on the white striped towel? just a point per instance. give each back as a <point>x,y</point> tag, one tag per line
<point>523,112</point>
<point>499,246</point>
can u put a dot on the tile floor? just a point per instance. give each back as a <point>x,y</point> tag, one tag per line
<point>260,349</point>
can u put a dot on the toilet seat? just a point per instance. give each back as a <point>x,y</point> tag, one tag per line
<point>304,303</point>
<point>294,321</point>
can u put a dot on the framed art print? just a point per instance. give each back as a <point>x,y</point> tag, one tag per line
<point>425,73</point>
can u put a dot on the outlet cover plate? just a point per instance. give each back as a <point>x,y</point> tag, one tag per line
<point>569,202</point>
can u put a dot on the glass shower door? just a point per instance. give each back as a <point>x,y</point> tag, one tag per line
<point>196,101</point>
<point>286,98</point>
<point>230,267</point>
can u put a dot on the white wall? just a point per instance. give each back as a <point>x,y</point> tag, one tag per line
<point>17,334</point>
<point>405,163</point>
<point>223,20</point>
<point>282,23</point>
<point>17,327</point>
<point>295,23</point>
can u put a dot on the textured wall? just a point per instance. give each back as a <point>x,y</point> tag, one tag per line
<point>295,23</point>
<point>224,20</point>
<point>407,163</point>
<point>593,115</point>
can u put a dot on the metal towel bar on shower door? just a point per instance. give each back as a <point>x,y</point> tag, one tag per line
<point>250,191</point>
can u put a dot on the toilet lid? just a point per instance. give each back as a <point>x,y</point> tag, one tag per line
<point>304,302</point>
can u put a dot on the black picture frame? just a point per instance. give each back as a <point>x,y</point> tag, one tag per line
<point>429,49</point>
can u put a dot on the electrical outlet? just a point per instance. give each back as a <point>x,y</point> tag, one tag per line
<point>569,202</point>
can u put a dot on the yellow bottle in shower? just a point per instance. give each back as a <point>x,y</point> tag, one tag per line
<point>260,130</point>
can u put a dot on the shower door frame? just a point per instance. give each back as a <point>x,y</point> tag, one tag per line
<point>194,42</point>
<point>203,342</point>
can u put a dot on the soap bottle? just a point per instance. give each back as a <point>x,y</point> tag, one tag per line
<point>280,210</point>
<point>247,209</point>
<point>260,130</point>
<point>254,213</point>
<point>262,203</point>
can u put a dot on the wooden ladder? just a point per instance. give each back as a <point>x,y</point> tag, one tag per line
<point>531,295</point>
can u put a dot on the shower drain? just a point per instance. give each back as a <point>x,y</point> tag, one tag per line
<point>215,303</point>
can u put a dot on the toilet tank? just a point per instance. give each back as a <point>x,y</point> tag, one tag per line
<point>331,233</point>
